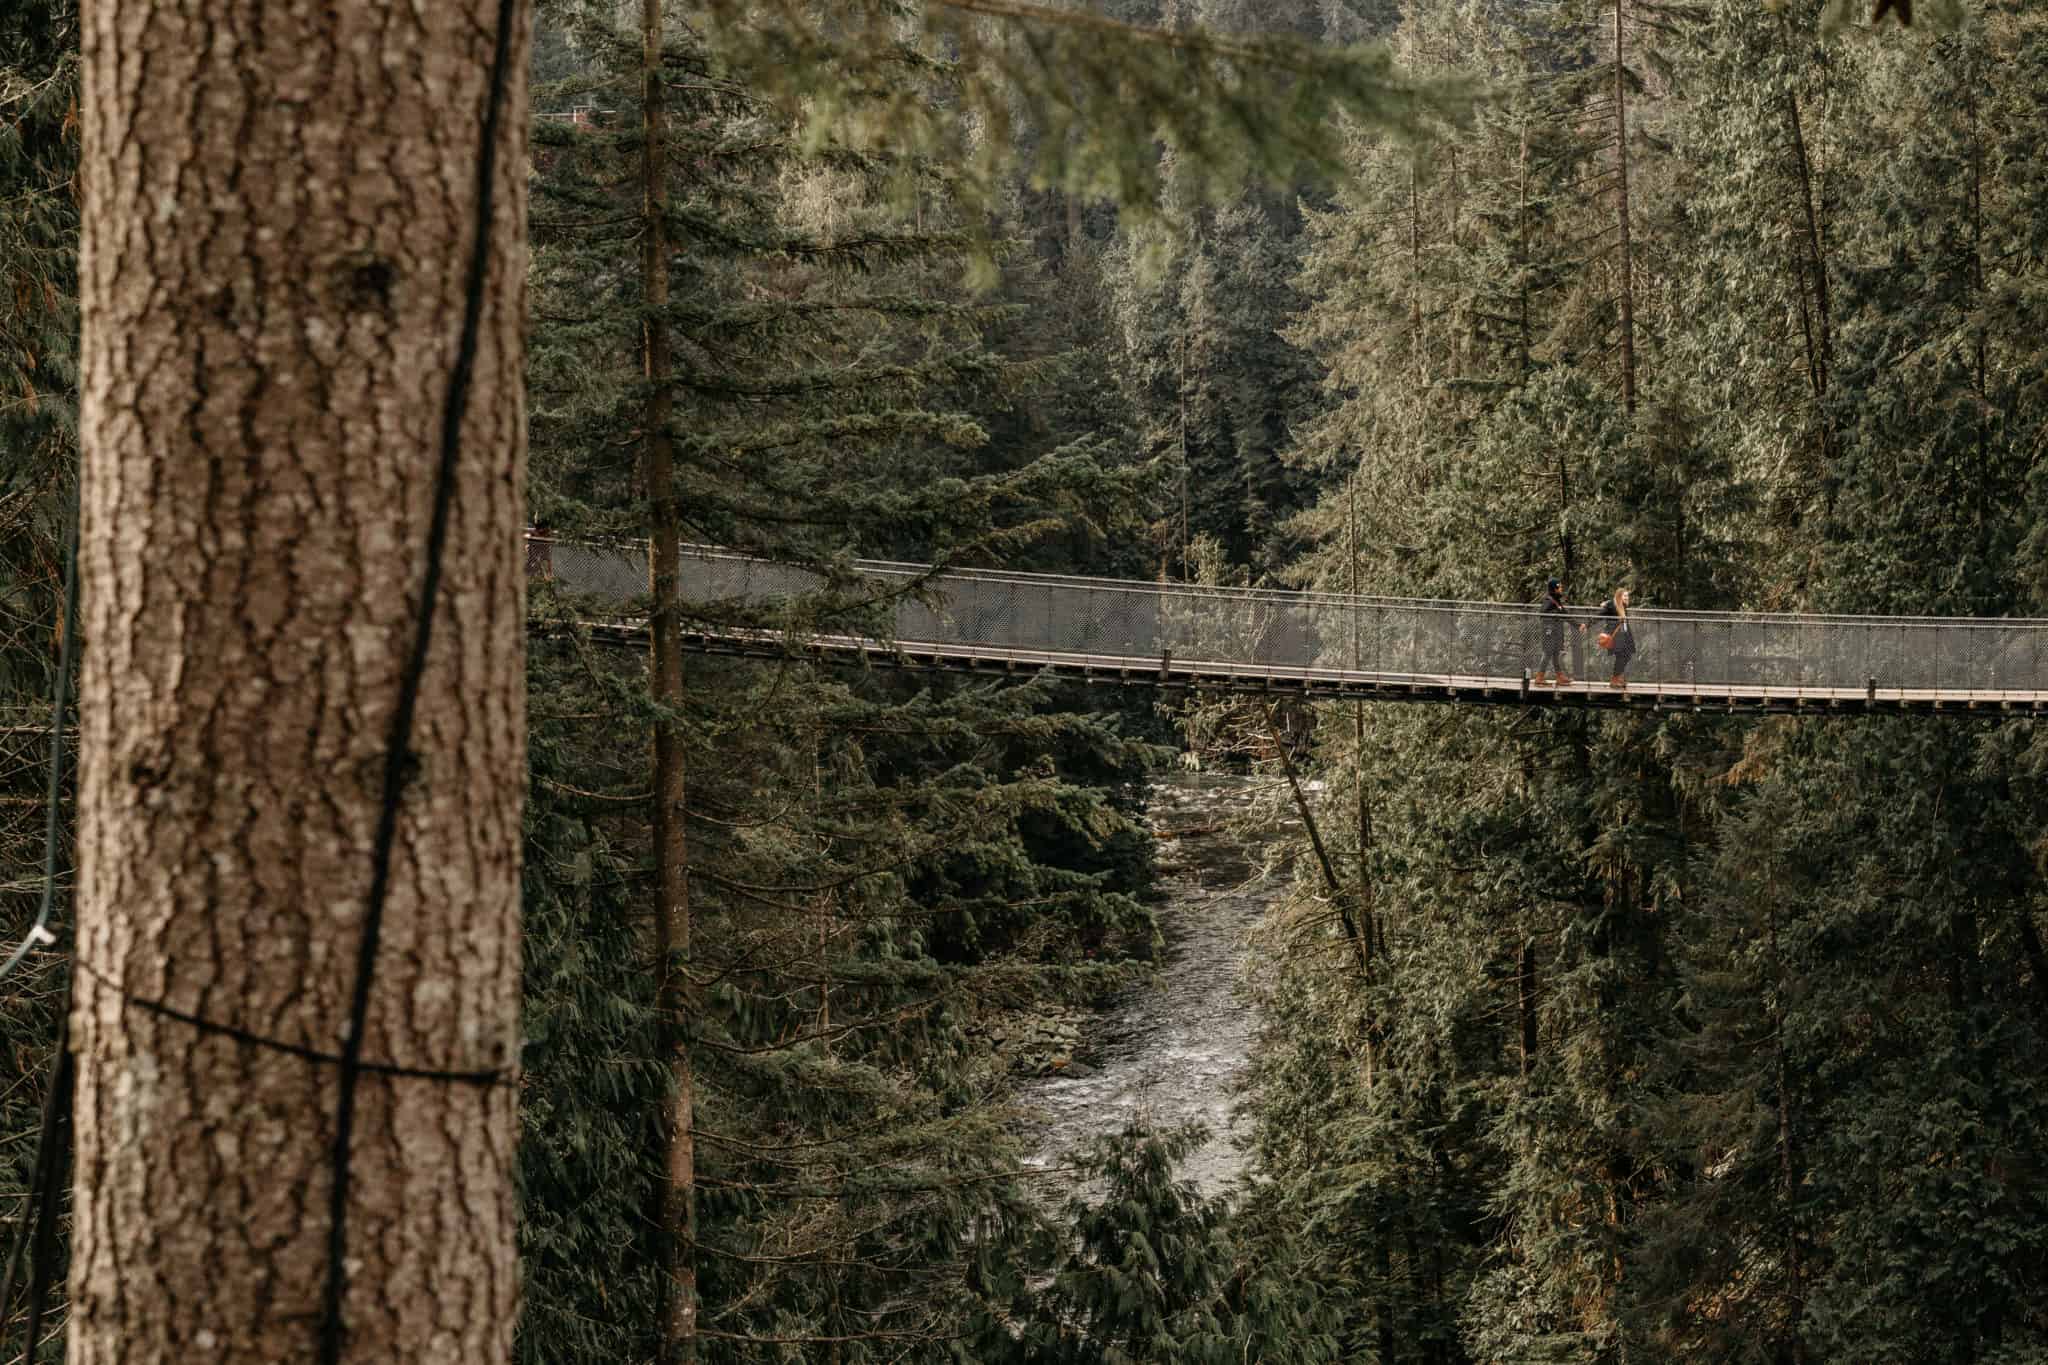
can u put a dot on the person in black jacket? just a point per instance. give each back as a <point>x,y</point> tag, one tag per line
<point>1621,637</point>
<point>1551,670</point>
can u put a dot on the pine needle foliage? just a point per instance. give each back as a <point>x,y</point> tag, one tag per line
<point>1145,1268</point>
<point>38,234</point>
<point>1683,1039</point>
<point>877,864</point>
<point>38,463</point>
<point>1095,96</point>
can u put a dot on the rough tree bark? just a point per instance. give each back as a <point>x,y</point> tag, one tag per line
<point>281,206</point>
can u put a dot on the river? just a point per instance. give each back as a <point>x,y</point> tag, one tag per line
<point>1169,1050</point>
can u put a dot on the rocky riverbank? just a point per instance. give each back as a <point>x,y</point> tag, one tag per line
<point>1043,1042</point>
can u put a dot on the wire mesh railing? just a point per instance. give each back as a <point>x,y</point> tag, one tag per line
<point>994,613</point>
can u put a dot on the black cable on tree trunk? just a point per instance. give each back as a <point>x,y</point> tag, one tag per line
<point>398,748</point>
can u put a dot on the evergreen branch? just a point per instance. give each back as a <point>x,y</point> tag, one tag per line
<point>845,1339</point>
<point>1097,94</point>
<point>826,1035</point>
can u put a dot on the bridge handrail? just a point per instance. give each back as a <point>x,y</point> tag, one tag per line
<point>1578,612</point>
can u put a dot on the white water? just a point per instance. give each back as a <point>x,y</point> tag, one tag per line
<point>1170,1050</point>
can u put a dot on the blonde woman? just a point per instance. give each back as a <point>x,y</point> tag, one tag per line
<point>1617,636</point>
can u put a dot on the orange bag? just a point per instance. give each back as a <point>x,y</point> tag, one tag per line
<point>1607,640</point>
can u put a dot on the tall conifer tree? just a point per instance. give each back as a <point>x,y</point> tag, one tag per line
<point>872,865</point>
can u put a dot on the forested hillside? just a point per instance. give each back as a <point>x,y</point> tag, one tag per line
<point>1582,1036</point>
<point>1682,1038</point>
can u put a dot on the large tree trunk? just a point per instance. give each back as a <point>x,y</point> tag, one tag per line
<point>1360,949</point>
<point>1621,216</point>
<point>1791,1170</point>
<point>1820,337</point>
<point>282,206</point>
<point>678,1183</point>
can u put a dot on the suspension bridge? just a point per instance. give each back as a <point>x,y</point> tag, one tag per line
<point>1313,645</point>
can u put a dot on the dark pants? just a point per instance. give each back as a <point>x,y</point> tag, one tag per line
<point>1624,650</point>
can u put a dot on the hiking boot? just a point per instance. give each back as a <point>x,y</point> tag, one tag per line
<point>1618,681</point>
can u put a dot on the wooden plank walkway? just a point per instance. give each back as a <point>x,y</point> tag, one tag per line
<point>1328,684</point>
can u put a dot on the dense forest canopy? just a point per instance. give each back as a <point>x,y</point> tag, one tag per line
<point>1581,1037</point>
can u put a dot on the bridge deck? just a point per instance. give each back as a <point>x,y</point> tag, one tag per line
<point>1331,646</point>
<point>1332,684</point>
